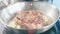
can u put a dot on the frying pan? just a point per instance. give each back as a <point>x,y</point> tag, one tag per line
<point>50,10</point>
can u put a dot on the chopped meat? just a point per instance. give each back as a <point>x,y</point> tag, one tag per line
<point>30,19</point>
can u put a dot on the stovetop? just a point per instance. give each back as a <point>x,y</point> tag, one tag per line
<point>54,30</point>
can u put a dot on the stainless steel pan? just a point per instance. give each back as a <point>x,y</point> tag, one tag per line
<point>9,12</point>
